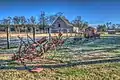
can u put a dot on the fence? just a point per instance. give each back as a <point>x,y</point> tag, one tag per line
<point>14,41</point>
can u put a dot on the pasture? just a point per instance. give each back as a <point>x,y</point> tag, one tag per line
<point>83,59</point>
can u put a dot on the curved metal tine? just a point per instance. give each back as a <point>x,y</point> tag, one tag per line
<point>31,38</point>
<point>28,40</point>
<point>21,39</point>
<point>23,63</point>
<point>20,46</point>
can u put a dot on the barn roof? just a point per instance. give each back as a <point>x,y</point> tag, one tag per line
<point>64,19</point>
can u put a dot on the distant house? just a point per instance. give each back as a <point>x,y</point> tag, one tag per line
<point>2,28</point>
<point>90,31</point>
<point>62,24</point>
<point>76,29</point>
<point>111,31</point>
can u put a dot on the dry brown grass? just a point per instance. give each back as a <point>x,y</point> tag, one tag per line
<point>108,71</point>
<point>2,34</point>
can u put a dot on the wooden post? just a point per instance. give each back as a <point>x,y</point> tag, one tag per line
<point>49,31</point>
<point>34,31</point>
<point>8,37</point>
<point>67,32</point>
<point>26,29</point>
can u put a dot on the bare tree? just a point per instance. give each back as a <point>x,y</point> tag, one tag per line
<point>23,22</point>
<point>108,24</point>
<point>85,25</point>
<point>43,20</point>
<point>59,14</point>
<point>7,22</point>
<point>118,26</point>
<point>33,19</point>
<point>16,21</point>
<point>113,26</point>
<point>50,19</point>
<point>78,22</point>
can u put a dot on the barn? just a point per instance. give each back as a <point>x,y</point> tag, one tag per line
<point>61,24</point>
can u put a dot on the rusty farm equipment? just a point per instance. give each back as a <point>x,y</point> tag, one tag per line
<point>31,50</point>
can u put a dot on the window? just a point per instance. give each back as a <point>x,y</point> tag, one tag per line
<point>58,25</point>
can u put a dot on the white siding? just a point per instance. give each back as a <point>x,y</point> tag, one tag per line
<point>59,21</point>
<point>63,26</point>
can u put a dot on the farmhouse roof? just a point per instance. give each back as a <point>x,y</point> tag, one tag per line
<point>64,19</point>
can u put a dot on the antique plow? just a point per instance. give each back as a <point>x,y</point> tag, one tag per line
<point>28,51</point>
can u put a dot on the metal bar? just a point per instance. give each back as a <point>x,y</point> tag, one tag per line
<point>22,40</point>
<point>31,38</point>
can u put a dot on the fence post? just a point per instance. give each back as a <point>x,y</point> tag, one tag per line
<point>49,31</point>
<point>8,37</point>
<point>34,31</point>
<point>67,32</point>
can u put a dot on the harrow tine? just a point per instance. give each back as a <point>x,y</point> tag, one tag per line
<point>30,51</point>
<point>31,38</point>
<point>28,41</point>
<point>21,39</point>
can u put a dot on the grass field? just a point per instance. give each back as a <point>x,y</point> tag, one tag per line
<point>108,47</point>
<point>108,71</point>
